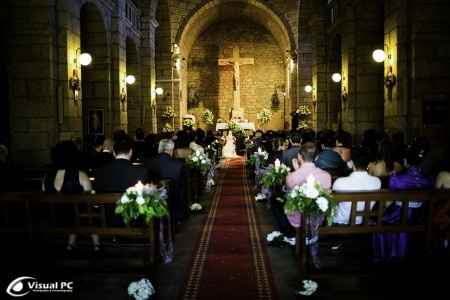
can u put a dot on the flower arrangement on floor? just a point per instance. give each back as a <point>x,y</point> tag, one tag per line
<point>259,158</point>
<point>168,113</point>
<point>264,116</point>
<point>208,117</point>
<point>198,161</point>
<point>188,123</point>
<point>309,287</point>
<point>196,207</point>
<point>167,128</point>
<point>141,200</point>
<point>141,290</point>
<point>310,199</point>
<point>275,175</point>
<point>277,239</point>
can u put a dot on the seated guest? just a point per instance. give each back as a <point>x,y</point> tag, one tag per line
<point>164,166</point>
<point>288,155</point>
<point>329,160</point>
<point>67,178</point>
<point>358,181</point>
<point>394,246</point>
<point>182,150</point>
<point>195,146</point>
<point>119,174</point>
<point>304,167</point>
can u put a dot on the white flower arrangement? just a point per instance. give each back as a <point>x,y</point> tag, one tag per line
<point>309,288</point>
<point>198,161</point>
<point>275,175</point>
<point>141,290</point>
<point>264,116</point>
<point>273,236</point>
<point>259,157</point>
<point>208,117</point>
<point>168,113</point>
<point>310,198</point>
<point>188,123</point>
<point>167,128</point>
<point>196,207</point>
<point>146,200</point>
<point>260,197</point>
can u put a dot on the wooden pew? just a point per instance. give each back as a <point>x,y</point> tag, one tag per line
<point>371,219</point>
<point>84,214</point>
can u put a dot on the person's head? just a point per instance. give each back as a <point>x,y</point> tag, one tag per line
<point>166,146</point>
<point>140,135</point>
<point>307,152</point>
<point>65,155</point>
<point>360,158</point>
<point>328,139</point>
<point>108,145</point>
<point>119,134</point>
<point>98,142</point>
<point>123,148</point>
<point>296,138</point>
<point>414,157</point>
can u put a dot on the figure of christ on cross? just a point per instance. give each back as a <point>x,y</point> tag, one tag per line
<point>236,61</point>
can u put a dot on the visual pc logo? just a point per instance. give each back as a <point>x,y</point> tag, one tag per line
<point>19,287</point>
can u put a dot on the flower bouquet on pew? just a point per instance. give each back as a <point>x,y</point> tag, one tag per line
<point>275,175</point>
<point>147,201</point>
<point>310,199</point>
<point>199,161</point>
<point>258,159</point>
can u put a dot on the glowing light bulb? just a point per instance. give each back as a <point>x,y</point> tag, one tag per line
<point>308,88</point>
<point>85,59</point>
<point>159,91</point>
<point>130,79</point>
<point>379,56</point>
<point>336,77</point>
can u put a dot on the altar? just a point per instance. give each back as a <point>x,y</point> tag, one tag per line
<point>243,125</point>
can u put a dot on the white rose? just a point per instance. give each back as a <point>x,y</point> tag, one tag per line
<point>149,189</point>
<point>311,181</point>
<point>277,164</point>
<point>322,203</point>
<point>311,192</point>
<point>293,194</point>
<point>139,187</point>
<point>203,161</point>
<point>140,200</point>
<point>194,159</point>
<point>124,199</point>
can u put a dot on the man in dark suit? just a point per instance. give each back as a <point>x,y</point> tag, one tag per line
<point>164,166</point>
<point>288,155</point>
<point>119,174</point>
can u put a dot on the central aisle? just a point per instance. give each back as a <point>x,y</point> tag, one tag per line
<point>230,261</point>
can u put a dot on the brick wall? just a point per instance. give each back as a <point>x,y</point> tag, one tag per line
<point>213,84</point>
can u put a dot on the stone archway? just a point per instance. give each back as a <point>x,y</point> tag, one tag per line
<point>95,79</point>
<point>211,12</point>
<point>133,102</point>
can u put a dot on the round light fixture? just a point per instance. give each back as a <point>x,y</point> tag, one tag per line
<point>159,91</point>
<point>336,77</point>
<point>85,59</point>
<point>378,55</point>
<point>130,79</point>
<point>308,88</point>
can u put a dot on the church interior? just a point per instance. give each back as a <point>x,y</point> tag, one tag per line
<point>224,149</point>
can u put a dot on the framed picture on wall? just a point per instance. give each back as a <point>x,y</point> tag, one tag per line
<point>96,124</point>
<point>435,111</point>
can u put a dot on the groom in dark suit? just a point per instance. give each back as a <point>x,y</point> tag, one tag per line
<point>119,174</point>
<point>163,167</point>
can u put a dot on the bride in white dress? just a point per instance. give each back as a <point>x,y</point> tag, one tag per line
<point>229,150</point>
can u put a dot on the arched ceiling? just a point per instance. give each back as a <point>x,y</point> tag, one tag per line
<point>220,10</point>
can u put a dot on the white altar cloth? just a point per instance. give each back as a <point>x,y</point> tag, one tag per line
<point>243,125</point>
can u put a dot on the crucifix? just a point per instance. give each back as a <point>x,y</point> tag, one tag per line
<point>236,61</point>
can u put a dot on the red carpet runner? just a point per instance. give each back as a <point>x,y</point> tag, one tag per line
<point>230,261</point>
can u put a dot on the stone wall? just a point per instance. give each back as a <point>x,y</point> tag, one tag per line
<point>213,84</point>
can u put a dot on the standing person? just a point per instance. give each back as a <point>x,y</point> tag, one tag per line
<point>295,119</point>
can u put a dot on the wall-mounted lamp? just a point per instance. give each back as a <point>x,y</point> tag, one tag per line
<point>308,88</point>
<point>378,55</point>
<point>81,59</point>
<point>130,79</point>
<point>84,59</point>
<point>159,91</point>
<point>336,77</point>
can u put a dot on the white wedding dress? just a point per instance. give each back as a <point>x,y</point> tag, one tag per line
<point>229,150</point>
